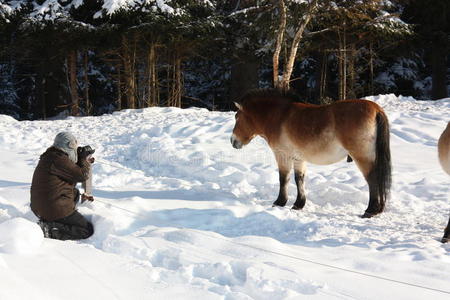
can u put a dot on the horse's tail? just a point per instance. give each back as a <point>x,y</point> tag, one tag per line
<point>383,168</point>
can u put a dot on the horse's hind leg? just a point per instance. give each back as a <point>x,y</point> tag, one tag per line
<point>366,167</point>
<point>375,206</point>
<point>284,170</point>
<point>300,169</point>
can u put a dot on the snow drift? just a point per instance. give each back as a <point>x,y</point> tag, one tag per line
<point>179,213</point>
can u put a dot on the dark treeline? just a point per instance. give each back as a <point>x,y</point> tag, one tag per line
<point>91,57</point>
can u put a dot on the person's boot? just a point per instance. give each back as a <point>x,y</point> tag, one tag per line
<point>51,230</point>
<point>45,228</point>
<point>55,233</point>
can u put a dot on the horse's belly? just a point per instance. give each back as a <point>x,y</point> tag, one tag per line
<point>326,156</point>
<point>324,150</point>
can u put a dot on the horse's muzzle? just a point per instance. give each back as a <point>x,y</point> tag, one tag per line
<point>235,142</point>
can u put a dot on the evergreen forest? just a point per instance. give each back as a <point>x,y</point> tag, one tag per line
<point>90,57</point>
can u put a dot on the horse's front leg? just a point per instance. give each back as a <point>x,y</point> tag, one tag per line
<point>300,170</point>
<point>284,169</point>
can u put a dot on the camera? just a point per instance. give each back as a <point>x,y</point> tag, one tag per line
<point>85,149</point>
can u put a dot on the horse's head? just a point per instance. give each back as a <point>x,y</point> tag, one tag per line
<point>244,129</point>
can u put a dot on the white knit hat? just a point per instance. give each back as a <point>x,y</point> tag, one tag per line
<point>66,141</point>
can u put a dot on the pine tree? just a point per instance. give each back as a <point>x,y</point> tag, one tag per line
<point>352,31</point>
<point>432,25</point>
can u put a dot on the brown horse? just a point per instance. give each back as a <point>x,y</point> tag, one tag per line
<point>298,133</point>
<point>444,159</point>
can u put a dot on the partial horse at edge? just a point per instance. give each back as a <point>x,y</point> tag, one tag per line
<point>444,159</point>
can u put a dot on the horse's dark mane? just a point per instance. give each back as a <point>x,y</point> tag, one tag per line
<point>269,93</point>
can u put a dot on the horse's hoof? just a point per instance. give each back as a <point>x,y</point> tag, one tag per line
<point>445,240</point>
<point>295,207</point>
<point>367,215</point>
<point>276,203</point>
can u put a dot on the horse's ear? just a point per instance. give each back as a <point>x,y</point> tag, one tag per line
<point>238,105</point>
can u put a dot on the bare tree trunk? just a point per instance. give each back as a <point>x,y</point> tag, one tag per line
<point>176,84</point>
<point>288,69</point>
<point>323,77</point>
<point>178,80</point>
<point>340,68</point>
<point>153,89</point>
<point>134,88</point>
<point>73,86</point>
<point>119,87</point>
<point>352,72</point>
<point>86,83</point>
<point>342,64</point>
<point>168,80</point>
<point>128,57</point>
<point>279,43</point>
<point>342,74</point>
<point>371,68</point>
<point>141,84</point>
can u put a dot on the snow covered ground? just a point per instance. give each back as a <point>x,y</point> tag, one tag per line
<point>180,214</point>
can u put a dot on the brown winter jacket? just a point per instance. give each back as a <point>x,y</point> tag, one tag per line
<point>54,180</point>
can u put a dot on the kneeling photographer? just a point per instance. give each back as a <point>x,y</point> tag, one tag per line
<point>53,189</point>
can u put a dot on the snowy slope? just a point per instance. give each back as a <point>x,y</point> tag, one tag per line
<point>179,213</point>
